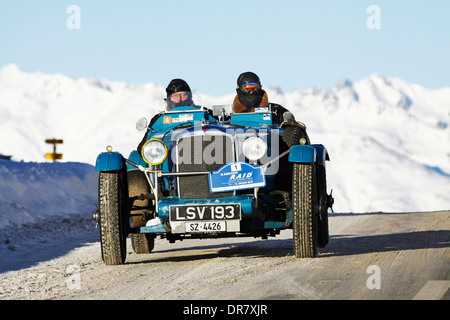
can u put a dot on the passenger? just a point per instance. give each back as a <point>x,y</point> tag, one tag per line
<point>250,94</point>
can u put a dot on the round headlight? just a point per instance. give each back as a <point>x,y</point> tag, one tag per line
<point>154,152</point>
<point>254,148</point>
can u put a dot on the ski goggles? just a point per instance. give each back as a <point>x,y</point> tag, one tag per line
<point>250,87</point>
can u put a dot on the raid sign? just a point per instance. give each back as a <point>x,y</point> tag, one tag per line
<point>236,176</point>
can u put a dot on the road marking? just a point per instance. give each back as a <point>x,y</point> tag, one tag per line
<point>433,290</point>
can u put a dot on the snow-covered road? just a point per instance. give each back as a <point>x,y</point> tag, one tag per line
<point>370,256</point>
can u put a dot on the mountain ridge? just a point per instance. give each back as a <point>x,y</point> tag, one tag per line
<point>382,133</point>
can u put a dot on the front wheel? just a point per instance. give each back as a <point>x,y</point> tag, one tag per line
<point>304,199</point>
<point>112,205</point>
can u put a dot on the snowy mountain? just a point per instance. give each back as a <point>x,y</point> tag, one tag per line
<point>389,140</point>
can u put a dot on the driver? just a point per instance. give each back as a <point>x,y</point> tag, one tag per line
<point>178,94</point>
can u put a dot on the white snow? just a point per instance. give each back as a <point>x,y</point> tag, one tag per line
<point>389,140</point>
<point>32,192</point>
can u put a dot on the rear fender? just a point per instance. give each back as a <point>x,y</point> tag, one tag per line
<point>322,154</point>
<point>109,161</point>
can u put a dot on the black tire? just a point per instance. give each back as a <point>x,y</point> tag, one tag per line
<point>112,211</point>
<point>304,199</point>
<point>292,135</point>
<point>142,242</point>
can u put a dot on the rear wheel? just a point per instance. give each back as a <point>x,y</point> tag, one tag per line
<point>142,242</point>
<point>112,209</point>
<point>304,199</point>
<point>293,133</point>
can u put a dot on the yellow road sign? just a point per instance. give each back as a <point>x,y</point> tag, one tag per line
<point>53,141</point>
<point>53,156</point>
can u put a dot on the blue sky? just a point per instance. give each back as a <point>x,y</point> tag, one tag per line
<point>209,43</point>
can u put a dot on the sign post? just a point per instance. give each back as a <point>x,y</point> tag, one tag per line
<point>54,156</point>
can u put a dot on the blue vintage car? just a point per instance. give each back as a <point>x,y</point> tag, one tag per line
<point>205,173</point>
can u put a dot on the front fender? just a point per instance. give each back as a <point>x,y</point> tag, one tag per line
<point>309,154</point>
<point>136,158</point>
<point>109,161</point>
<point>302,154</point>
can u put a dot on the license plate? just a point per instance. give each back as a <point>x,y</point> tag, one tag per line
<point>205,212</point>
<point>206,226</point>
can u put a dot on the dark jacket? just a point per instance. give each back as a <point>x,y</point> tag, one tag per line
<point>262,102</point>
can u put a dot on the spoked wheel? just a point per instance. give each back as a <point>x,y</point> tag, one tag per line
<point>304,207</point>
<point>112,208</point>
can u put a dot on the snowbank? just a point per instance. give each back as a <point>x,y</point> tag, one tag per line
<point>30,192</point>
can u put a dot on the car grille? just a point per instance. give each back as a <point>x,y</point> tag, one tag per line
<point>199,153</point>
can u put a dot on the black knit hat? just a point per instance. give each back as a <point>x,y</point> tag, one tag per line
<point>247,77</point>
<point>177,85</point>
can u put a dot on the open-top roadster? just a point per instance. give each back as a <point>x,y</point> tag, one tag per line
<point>214,173</point>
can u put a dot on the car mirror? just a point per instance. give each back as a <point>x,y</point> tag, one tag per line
<point>221,110</point>
<point>141,124</point>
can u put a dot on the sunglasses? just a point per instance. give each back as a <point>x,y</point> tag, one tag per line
<point>250,87</point>
<point>182,95</point>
